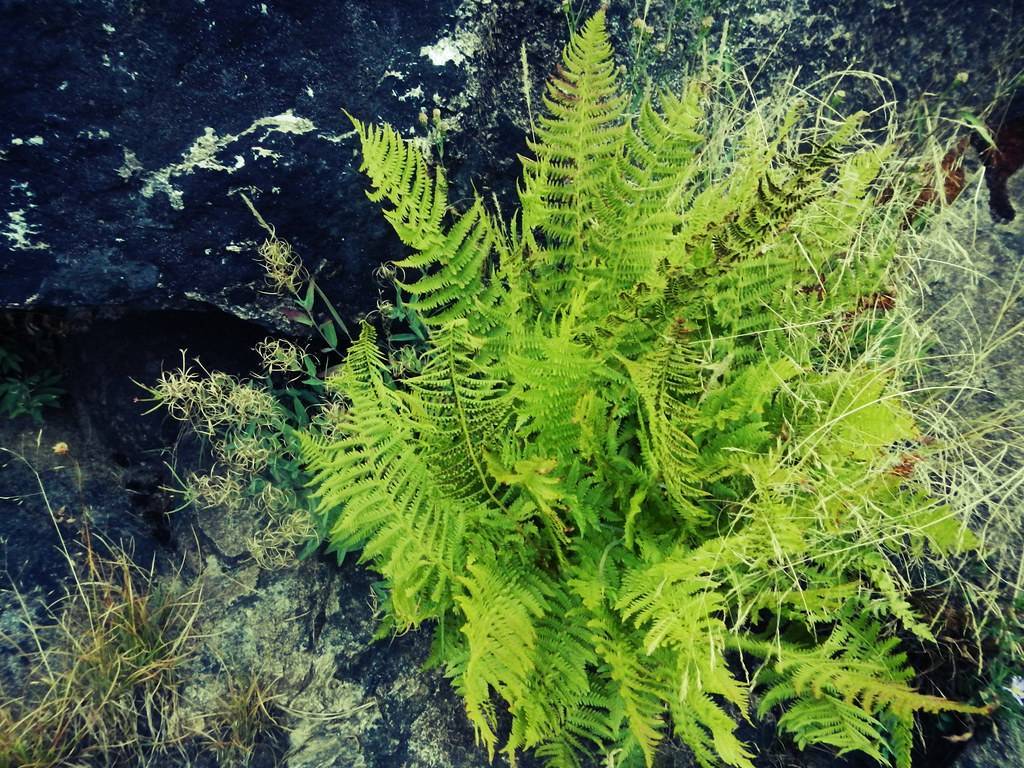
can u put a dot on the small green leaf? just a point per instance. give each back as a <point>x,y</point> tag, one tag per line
<point>329,333</point>
<point>301,417</point>
<point>979,126</point>
<point>310,297</point>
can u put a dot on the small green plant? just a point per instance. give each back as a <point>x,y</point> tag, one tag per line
<point>665,442</point>
<point>573,15</point>
<point>436,131</point>
<point>252,425</point>
<point>25,393</point>
<point>1002,685</point>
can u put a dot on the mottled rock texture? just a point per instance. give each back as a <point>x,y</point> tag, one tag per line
<point>128,128</point>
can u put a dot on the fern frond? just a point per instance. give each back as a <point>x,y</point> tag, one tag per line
<point>833,721</point>
<point>665,381</point>
<point>461,412</point>
<point>574,146</point>
<point>399,175</point>
<point>462,285</point>
<point>382,493</point>
<point>458,262</point>
<point>638,687</point>
<point>501,611</point>
<point>642,197</point>
<point>679,605</point>
<point>561,714</point>
<point>709,731</point>
<point>843,689</point>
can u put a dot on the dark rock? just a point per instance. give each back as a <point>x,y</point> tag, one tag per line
<point>1000,749</point>
<point>1003,158</point>
<point>132,127</point>
<point>110,354</point>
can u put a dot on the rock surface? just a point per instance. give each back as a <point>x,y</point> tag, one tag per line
<point>130,128</point>
<point>305,632</point>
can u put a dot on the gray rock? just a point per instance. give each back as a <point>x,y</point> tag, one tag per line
<point>974,297</point>
<point>1001,749</point>
<point>306,632</point>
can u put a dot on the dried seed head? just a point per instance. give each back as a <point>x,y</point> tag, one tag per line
<point>386,271</point>
<point>245,454</point>
<point>284,272</point>
<point>280,356</point>
<point>214,490</point>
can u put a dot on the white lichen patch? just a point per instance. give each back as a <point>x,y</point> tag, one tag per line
<point>337,138</point>
<point>412,93</point>
<point>455,49</point>
<point>21,234</point>
<point>443,51</point>
<point>332,716</point>
<point>766,19</point>
<point>286,122</point>
<point>223,303</point>
<point>102,133</point>
<point>246,246</point>
<point>259,151</point>
<point>205,154</point>
<point>131,165</point>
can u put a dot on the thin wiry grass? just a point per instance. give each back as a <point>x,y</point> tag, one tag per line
<point>103,669</point>
<point>248,713</point>
<point>971,465</point>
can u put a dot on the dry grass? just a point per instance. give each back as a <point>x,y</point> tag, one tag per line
<point>105,667</point>
<point>248,714</point>
<point>103,670</point>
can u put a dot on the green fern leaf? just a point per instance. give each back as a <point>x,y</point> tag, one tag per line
<point>648,415</point>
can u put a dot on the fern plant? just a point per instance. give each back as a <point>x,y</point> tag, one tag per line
<point>654,455</point>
